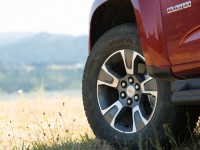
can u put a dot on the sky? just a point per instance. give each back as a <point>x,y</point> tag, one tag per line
<point>52,16</point>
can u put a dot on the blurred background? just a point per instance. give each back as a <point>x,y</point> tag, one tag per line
<point>43,49</point>
<point>43,44</point>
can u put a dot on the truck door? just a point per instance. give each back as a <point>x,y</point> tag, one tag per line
<point>181,24</point>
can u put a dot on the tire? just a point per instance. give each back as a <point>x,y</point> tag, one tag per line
<point>123,104</point>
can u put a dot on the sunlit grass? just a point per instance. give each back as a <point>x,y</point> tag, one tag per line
<point>58,122</point>
<point>26,121</point>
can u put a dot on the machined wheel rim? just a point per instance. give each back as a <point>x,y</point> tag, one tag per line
<point>127,95</point>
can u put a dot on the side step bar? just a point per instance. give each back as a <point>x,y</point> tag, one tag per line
<point>186,97</point>
<point>186,91</point>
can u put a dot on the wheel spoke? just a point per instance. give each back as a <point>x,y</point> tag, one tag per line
<point>134,125</point>
<point>107,77</point>
<point>112,112</point>
<point>134,110</point>
<point>151,89</point>
<point>129,61</point>
<point>152,101</point>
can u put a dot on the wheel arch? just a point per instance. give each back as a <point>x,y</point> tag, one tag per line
<point>108,15</point>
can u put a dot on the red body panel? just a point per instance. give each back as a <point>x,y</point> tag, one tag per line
<point>182,36</point>
<point>168,40</point>
<point>187,69</point>
<point>151,32</point>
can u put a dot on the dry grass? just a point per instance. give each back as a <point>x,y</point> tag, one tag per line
<point>26,120</point>
<point>57,122</point>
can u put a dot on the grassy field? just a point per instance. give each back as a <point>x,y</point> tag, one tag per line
<point>41,119</point>
<point>56,121</point>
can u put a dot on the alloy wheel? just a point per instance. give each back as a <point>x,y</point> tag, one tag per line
<point>127,95</point>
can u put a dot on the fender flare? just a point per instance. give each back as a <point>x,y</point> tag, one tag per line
<point>149,20</point>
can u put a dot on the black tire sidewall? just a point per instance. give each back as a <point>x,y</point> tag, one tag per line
<point>165,112</point>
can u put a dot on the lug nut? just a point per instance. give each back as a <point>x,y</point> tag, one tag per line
<point>129,101</point>
<point>136,97</point>
<point>124,84</point>
<point>130,80</point>
<point>137,87</point>
<point>123,95</point>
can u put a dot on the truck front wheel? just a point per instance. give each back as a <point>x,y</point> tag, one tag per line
<point>123,103</point>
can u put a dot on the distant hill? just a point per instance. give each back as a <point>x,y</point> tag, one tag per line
<point>42,48</point>
<point>10,37</point>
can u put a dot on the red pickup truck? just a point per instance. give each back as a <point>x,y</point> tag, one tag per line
<point>143,70</point>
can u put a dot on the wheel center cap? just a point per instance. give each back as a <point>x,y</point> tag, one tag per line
<point>130,91</point>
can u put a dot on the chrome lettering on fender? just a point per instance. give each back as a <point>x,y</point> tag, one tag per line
<point>179,7</point>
